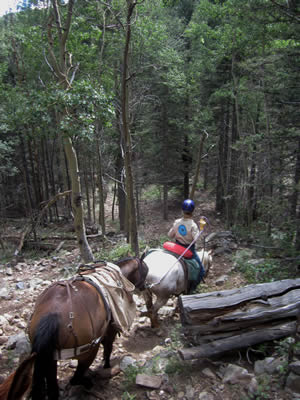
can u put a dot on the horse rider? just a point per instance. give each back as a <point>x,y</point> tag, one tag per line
<point>185,231</point>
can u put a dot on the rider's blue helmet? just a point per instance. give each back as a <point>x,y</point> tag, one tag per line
<point>188,205</point>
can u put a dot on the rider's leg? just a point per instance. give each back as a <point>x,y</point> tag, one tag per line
<point>202,270</point>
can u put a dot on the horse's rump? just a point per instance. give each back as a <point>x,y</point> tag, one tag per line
<point>78,310</point>
<point>165,271</point>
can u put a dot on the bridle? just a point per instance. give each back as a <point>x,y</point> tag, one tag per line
<point>141,283</point>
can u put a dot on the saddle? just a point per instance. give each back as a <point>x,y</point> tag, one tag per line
<point>191,270</point>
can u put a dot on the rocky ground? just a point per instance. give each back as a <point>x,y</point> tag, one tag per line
<point>150,354</point>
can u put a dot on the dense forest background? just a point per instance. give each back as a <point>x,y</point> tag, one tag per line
<point>184,96</point>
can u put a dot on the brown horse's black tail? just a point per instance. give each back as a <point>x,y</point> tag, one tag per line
<point>44,344</point>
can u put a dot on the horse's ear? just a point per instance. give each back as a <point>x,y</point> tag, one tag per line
<point>147,248</point>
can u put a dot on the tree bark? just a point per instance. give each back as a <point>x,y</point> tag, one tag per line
<point>132,224</point>
<point>62,69</point>
<point>199,159</point>
<point>233,319</point>
<point>100,184</point>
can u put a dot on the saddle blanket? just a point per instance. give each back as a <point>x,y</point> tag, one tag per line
<point>192,266</point>
<point>117,290</point>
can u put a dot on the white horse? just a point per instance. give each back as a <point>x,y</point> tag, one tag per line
<point>166,278</point>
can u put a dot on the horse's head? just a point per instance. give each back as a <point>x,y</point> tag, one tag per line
<point>135,270</point>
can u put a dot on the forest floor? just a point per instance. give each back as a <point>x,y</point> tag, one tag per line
<point>143,344</point>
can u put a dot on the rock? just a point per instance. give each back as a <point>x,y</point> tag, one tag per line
<point>293,383</point>
<point>208,373</point>
<point>153,395</point>
<point>4,293</point>
<point>267,366</point>
<point>73,364</point>
<point>256,261</point>
<point>3,339</point>
<point>220,281</point>
<point>206,396</point>
<point>190,392</point>
<point>253,386</point>
<point>166,311</point>
<point>143,320</point>
<point>20,343</point>
<point>150,381</point>
<point>20,285</point>
<point>234,374</point>
<point>126,362</point>
<point>295,367</point>
<point>222,250</point>
<point>3,321</point>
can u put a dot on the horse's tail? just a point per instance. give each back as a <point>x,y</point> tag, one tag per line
<point>44,344</point>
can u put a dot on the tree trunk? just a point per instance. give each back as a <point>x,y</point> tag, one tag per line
<point>222,160</point>
<point>199,159</point>
<point>100,185</point>
<point>295,194</point>
<point>87,194</point>
<point>186,158</point>
<point>235,134</point>
<point>132,225</point>
<point>236,318</point>
<point>59,65</point>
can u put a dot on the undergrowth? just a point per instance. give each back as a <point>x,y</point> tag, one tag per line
<point>260,270</point>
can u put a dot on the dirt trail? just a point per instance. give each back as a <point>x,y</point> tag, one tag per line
<point>142,342</point>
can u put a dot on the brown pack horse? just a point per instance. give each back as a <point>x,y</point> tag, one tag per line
<point>75,317</point>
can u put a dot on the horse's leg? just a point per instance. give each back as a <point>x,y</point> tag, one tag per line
<point>83,365</point>
<point>147,295</point>
<point>160,301</point>
<point>107,342</point>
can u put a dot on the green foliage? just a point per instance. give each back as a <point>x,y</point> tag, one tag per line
<point>114,253</point>
<point>285,346</point>
<point>152,192</point>
<point>259,271</point>
<point>128,396</point>
<point>264,387</point>
<point>130,374</point>
<point>176,367</point>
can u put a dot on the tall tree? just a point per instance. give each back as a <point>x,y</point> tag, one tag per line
<point>132,222</point>
<point>64,72</point>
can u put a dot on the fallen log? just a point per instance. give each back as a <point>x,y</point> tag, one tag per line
<point>237,318</point>
<point>236,342</point>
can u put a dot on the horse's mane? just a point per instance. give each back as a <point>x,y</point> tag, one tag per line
<point>123,260</point>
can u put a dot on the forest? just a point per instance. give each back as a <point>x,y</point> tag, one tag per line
<point>185,96</point>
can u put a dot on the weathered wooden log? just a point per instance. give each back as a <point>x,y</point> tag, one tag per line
<point>258,301</point>
<point>237,318</point>
<point>219,347</point>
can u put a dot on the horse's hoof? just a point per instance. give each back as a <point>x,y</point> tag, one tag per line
<point>84,381</point>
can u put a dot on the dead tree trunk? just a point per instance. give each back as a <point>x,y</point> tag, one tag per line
<point>238,318</point>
